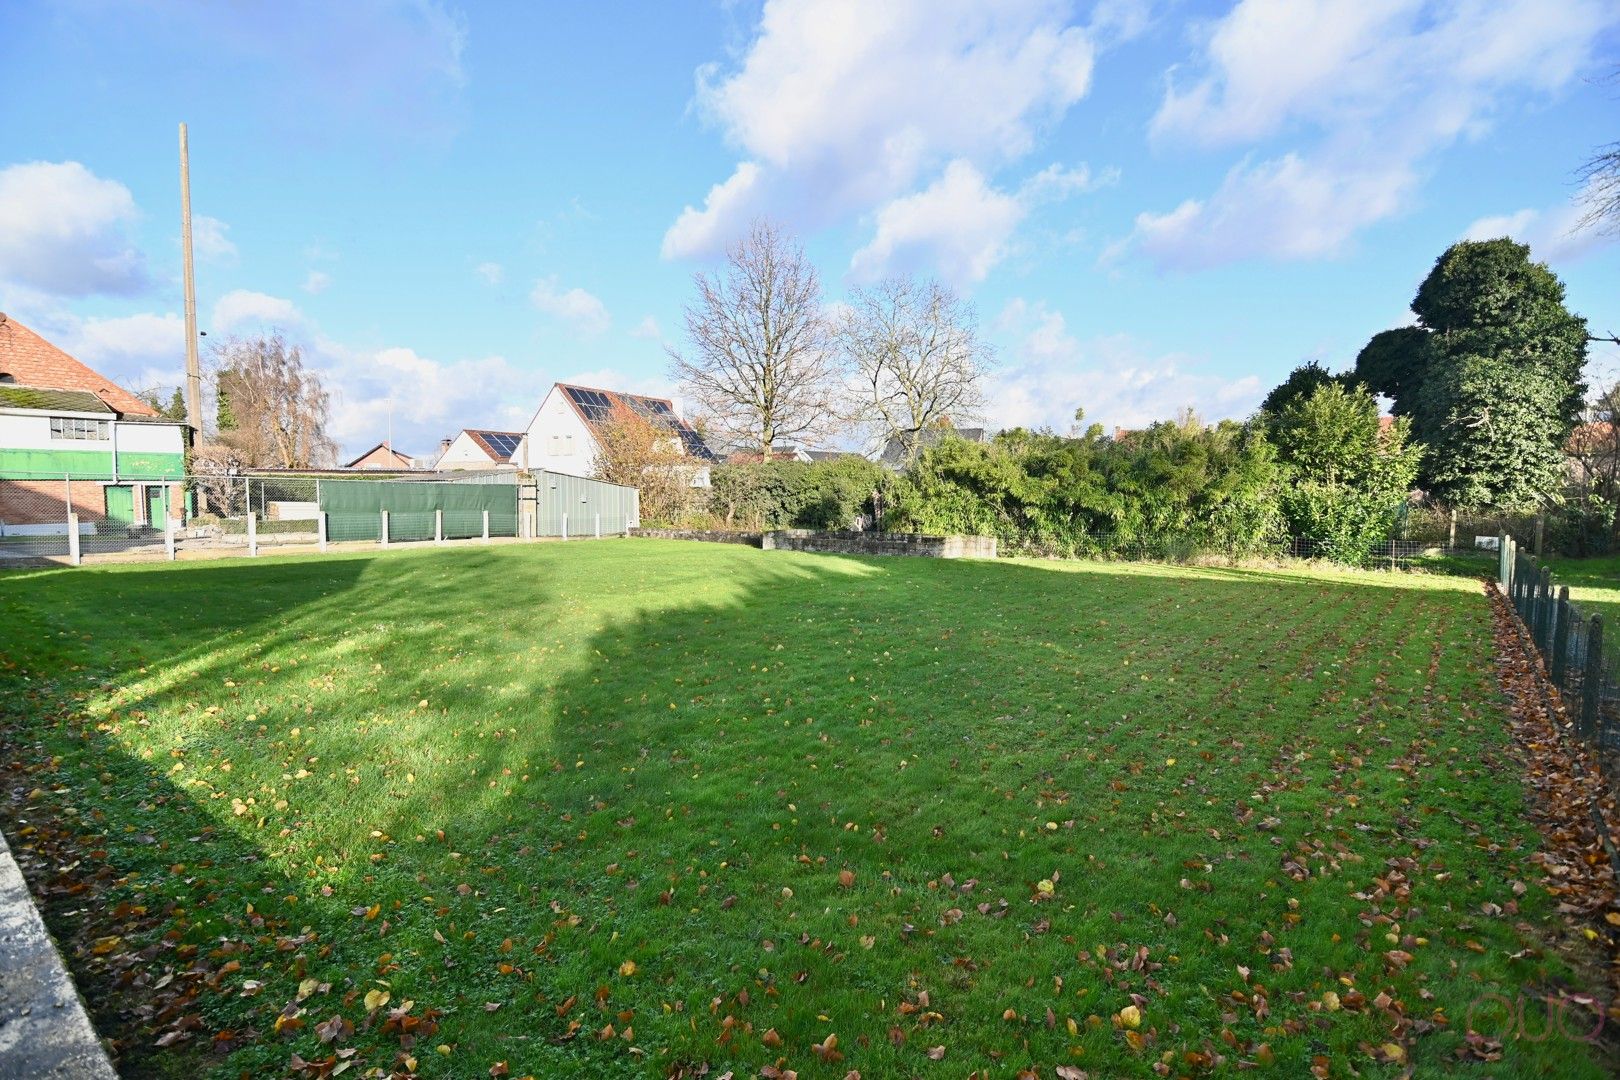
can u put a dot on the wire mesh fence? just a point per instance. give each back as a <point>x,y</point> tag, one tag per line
<point>1580,654</point>
<point>73,515</point>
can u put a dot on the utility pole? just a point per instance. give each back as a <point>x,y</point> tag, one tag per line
<point>193,370</point>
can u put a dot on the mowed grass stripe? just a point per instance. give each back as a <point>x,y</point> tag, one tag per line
<point>665,755</point>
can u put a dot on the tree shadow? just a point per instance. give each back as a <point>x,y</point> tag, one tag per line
<point>528,768</point>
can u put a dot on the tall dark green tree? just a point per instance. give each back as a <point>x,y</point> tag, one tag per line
<point>1301,383</point>
<point>1490,375</point>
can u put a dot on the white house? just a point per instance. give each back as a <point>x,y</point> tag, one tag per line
<point>562,436</point>
<point>476,448</point>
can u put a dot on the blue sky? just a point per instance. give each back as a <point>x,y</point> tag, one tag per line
<point>1151,204</point>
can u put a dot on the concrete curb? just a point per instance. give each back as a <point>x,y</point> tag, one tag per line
<point>44,1031</point>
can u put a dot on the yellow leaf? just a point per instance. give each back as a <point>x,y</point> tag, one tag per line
<point>1045,887</point>
<point>307,987</point>
<point>1394,1051</point>
<point>376,999</point>
<point>628,968</point>
<point>1612,918</point>
<point>1130,1016</point>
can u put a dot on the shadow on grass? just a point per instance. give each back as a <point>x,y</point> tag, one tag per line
<point>531,767</point>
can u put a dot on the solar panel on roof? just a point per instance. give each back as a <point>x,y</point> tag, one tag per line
<point>503,443</point>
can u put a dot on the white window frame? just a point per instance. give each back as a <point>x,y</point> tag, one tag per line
<point>79,429</point>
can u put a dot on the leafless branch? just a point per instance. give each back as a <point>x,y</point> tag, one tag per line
<point>914,358</point>
<point>761,367</point>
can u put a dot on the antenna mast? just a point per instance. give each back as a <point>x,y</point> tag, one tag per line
<point>193,370</point>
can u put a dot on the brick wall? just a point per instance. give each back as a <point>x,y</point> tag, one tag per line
<point>44,502</point>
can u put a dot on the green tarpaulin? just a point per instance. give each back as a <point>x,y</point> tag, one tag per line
<point>354,508</point>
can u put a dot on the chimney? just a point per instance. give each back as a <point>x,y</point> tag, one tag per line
<point>444,445</point>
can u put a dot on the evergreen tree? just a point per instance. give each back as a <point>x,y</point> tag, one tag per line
<point>1491,375</point>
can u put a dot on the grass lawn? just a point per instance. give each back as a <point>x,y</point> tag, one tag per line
<point>1593,583</point>
<point>604,808</point>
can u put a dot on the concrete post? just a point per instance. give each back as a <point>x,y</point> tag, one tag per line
<point>382,535</point>
<point>1541,525</point>
<point>253,531</point>
<point>168,538</point>
<point>599,526</point>
<point>1451,533</point>
<point>438,526</point>
<point>486,526</point>
<point>565,526</point>
<point>320,528</point>
<point>73,539</point>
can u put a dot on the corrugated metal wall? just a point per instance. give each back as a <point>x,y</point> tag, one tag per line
<point>589,505</point>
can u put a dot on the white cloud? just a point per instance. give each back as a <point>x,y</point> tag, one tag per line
<point>1373,89</point>
<point>1554,234</point>
<point>425,399</point>
<point>580,309</point>
<point>1050,373</point>
<point>245,310</point>
<point>209,241</point>
<point>64,231</point>
<point>735,200</point>
<point>958,228</point>
<point>317,281</point>
<point>493,273</point>
<point>841,105</point>
<point>648,328</point>
<point>1287,208</point>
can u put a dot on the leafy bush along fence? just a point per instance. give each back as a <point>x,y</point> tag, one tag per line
<point>1581,654</point>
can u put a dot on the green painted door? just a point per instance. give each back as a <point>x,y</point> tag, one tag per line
<point>154,505</point>
<point>121,504</point>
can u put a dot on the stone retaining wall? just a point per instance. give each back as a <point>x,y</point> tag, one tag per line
<point>709,536</point>
<point>867,543</point>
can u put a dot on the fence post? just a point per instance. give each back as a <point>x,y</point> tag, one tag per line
<point>168,537</point>
<point>486,526</point>
<point>1560,641</point>
<point>599,526</point>
<point>565,526</point>
<point>438,525</point>
<point>382,534</point>
<point>320,527</point>
<point>1502,543</point>
<point>1540,528</point>
<point>1592,677</point>
<point>253,530</point>
<point>73,538</point>
<point>1451,533</point>
<point>1544,595</point>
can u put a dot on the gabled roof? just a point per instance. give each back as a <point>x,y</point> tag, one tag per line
<point>499,445</point>
<point>48,400</point>
<point>30,360</point>
<point>403,460</point>
<point>595,406</point>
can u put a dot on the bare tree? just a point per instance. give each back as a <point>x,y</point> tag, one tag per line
<point>639,452</point>
<point>915,360</point>
<point>272,411</point>
<point>761,366</point>
<point>1600,193</point>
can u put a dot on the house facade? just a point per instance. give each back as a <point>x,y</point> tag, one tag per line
<point>70,438</point>
<point>479,448</point>
<point>383,456</point>
<point>562,435</point>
